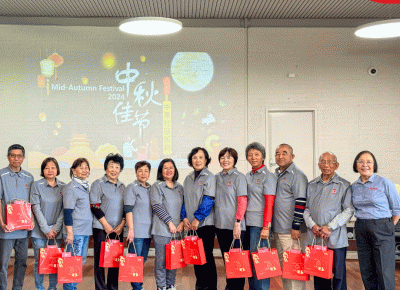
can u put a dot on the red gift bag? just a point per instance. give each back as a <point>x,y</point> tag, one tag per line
<point>110,252</point>
<point>319,261</point>
<point>69,269</point>
<point>237,263</point>
<point>18,215</point>
<point>293,266</point>
<point>48,258</point>
<point>266,262</point>
<point>174,255</point>
<point>131,268</point>
<point>193,250</point>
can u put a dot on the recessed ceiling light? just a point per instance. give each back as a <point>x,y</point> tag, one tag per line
<point>150,26</point>
<point>380,29</point>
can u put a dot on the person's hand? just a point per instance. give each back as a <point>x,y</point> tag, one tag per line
<point>179,229</point>
<point>236,231</point>
<point>32,225</point>
<point>70,238</point>
<point>195,224</point>
<point>51,235</point>
<point>186,224</point>
<point>108,228</point>
<point>130,236</point>
<point>172,228</point>
<point>316,230</point>
<point>119,229</point>
<point>325,232</point>
<point>295,234</point>
<point>264,233</point>
<point>5,228</point>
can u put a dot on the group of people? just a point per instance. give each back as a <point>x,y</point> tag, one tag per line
<point>248,209</point>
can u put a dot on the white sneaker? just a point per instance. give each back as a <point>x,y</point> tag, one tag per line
<point>172,287</point>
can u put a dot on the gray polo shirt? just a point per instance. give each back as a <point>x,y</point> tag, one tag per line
<point>230,185</point>
<point>50,204</point>
<point>259,184</point>
<point>138,196</point>
<point>194,191</point>
<point>329,204</point>
<point>76,197</point>
<point>291,184</point>
<point>14,185</point>
<point>111,199</point>
<point>171,200</point>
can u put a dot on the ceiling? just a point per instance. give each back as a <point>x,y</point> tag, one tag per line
<point>198,12</point>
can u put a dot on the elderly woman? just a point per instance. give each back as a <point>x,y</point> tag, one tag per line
<point>77,215</point>
<point>198,214</point>
<point>377,206</point>
<point>166,197</point>
<point>261,185</point>
<point>138,213</point>
<point>230,206</point>
<point>46,200</point>
<point>107,205</point>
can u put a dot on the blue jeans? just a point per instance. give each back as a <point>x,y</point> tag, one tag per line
<point>37,244</point>
<point>142,246</point>
<point>253,236</point>
<point>80,248</point>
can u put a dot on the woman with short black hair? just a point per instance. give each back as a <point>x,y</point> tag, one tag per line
<point>107,204</point>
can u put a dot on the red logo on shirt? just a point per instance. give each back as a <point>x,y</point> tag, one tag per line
<point>334,191</point>
<point>257,181</point>
<point>60,193</point>
<point>27,187</point>
<point>283,179</point>
<point>229,183</point>
<point>373,188</point>
<point>200,183</point>
<point>180,193</point>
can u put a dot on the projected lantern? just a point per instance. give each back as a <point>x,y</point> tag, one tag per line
<point>47,68</point>
<point>41,81</point>
<point>58,60</point>
<point>167,119</point>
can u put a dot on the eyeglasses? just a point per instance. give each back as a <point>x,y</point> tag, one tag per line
<point>329,162</point>
<point>15,156</point>
<point>361,162</point>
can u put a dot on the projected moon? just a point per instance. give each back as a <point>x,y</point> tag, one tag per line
<point>192,71</point>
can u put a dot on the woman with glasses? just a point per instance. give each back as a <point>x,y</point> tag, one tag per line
<point>377,209</point>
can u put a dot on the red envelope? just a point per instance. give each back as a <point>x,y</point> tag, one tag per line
<point>48,258</point>
<point>131,268</point>
<point>319,261</point>
<point>174,255</point>
<point>237,264</point>
<point>293,266</point>
<point>110,252</point>
<point>18,215</point>
<point>193,250</point>
<point>69,269</point>
<point>266,263</point>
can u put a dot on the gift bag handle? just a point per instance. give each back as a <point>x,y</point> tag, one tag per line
<point>315,241</point>
<point>173,236</point>
<point>291,246</point>
<point>15,199</point>
<point>108,236</point>
<point>128,248</point>
<point>259,243</point>
<point>73,249</point>
<point>233,243</point>
<point>55,242</point>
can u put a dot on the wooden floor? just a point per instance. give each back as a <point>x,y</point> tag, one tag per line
<point>185,278</point>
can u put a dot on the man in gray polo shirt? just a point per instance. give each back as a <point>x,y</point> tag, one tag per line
<point>15,183</point>
<point>290,202</point>
<point>328,210</point>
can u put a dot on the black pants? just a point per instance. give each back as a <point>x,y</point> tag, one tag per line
<point>376,253</point>
<point>225,238</point>
<point>338,282</point>
<point>206,275</point>
<point>99,276</point>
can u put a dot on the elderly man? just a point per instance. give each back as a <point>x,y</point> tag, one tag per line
<point>328,210</point>
<point>290,201</point>
<point>15,183</point>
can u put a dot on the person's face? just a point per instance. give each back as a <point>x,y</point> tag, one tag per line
<point>168,171</point>
<point>365,165</point>
<point>143,174</point>
<point>327,164</point>
<point>199,160</point>
<point>82,171</point>
<point>16,157</point>
<point>227,162</point>
<point>283,157</point>
<point>255,158</point>
<point>113,170</point>
<point>50,171</point>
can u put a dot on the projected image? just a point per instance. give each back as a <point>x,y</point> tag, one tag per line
<point>145,106</point>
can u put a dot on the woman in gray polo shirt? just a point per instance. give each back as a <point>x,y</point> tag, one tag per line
<point>47,206</point>
<point>107,205</point>
<point>166,197</point>
<point>138,213</point>
<point>77,215</point>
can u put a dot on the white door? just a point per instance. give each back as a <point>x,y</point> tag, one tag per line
<point>296,128</point>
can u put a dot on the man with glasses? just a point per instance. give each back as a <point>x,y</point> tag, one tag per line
<point>328,210</point>
<point>15,183</point>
